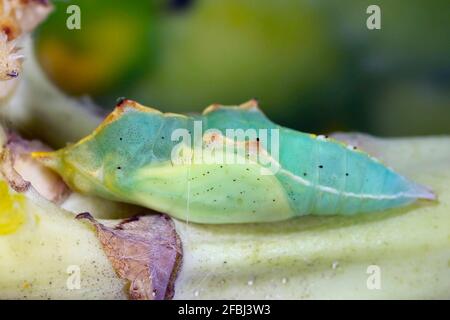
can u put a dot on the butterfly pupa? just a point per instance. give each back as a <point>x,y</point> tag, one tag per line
<point>276,176</point>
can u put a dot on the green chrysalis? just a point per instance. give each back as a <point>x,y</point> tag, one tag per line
<point>228,165</point>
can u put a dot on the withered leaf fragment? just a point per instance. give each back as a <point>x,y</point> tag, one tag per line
<point>22,16</point>
<point>144,250</point>
<point>10,59</point>
<point>8,171</point>
<point>46,182</point>
<point>17,19</point>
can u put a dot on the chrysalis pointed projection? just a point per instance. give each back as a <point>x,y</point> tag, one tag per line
<point>228,165</point>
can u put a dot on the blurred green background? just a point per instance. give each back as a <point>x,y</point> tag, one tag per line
<point>313,65</point>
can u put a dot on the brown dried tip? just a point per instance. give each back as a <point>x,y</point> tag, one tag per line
<point>17,17</point>
<point>10,59</point>
<point>144,250</point>
<point>22,16</point>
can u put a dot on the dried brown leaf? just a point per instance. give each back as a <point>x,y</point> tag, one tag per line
<point>144,250</point>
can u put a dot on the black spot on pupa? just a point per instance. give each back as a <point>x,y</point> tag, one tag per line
<point>321,167</point>
<point>305,174</point>
<point>347,174</point>
<point>120,101</point>
<point>119,168</point>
